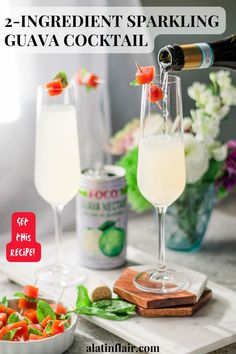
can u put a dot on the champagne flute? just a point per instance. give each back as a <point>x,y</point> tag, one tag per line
<point>161,173</point>
<point>57,170</point>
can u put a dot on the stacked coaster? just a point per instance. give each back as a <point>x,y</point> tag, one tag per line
<point>182,303</point>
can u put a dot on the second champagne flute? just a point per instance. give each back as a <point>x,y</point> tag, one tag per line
<point>57,170</point>
<point>161,172</point>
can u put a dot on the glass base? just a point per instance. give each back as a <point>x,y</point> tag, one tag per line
<point>60,275</point>
<point>163,282</point>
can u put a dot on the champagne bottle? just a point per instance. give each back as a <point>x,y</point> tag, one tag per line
<point>199,55</point>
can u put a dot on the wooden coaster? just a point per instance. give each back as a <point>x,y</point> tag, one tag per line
<point>178,311</point>
<point>125,288</point>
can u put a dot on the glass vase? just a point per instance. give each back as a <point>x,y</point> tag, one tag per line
<point>188,217</point>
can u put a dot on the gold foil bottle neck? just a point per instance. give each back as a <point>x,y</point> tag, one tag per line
<point>193,56</point>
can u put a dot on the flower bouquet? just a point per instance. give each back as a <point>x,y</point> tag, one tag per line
<point>210,163</point>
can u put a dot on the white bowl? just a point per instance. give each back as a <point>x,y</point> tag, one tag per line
<point>57,344</point>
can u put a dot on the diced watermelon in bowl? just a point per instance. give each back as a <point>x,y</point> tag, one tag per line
<point>31,342</point>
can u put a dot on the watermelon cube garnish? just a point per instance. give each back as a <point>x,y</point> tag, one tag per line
<point>155,93</point>
<point>144,75</point>
<point>56,86</point>
<point>87,79</point>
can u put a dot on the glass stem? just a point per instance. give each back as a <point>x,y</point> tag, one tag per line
<point>161,262</point>
<point>57,212</point>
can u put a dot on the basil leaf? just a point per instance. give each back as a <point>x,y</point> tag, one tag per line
<point>23,296</point>
<point>10,335</point>
<point>82,297</point>
<point>94,311</point>
<point>44,310</point>
<point>35,331</point>
<point>4,301</point>
<point>13,318</point>
<point>113,309</point>
<point>115,306</point>
<point>48,328</point>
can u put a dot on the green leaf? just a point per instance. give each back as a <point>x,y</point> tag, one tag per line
<point>213,171</point>
<point>4,301</point>
<point>222,192</point>
<point>44,310</point>
<point>10,334</point>
<point>130,162</point>
<point>114,309</point>
<point>48,328</point>
<point>82,297</point>
<point>35,331</point>
<point>63,77</point>
<point>99,312</point>
<point>88,88</point>
<point>23,296</point>
<point>13,318</point>
<point>134,83</point>
<point>107,225</point>
<point>116,306</point>
<point>83,72</point>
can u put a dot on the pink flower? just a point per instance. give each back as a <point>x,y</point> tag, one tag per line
<point>125,139</point>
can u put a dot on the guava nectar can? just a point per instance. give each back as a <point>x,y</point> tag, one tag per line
<point>102,217</point>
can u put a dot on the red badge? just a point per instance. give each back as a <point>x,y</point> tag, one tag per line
<point>23,246</point>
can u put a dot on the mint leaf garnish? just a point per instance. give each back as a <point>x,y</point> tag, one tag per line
<point>23,296</point>
<point>88,88</point>
<point>4,301</point>
<point>44,310</point>
<point>13,318</point>
<point>10,335</point>
<point>134,83</point>
<point>63,77</point>
<point>35,331</point>
<point>48,328</point>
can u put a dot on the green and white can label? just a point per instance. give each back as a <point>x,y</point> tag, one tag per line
<point>102,218</point>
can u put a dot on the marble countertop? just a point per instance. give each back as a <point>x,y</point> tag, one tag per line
<point>216,259</point>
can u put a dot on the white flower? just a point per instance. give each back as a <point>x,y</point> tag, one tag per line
<point>187,124</point>
<point>204,97</point>
<point>196,157</point>
<point>219,153</point>
<point>213,104</point>
<point>228,96</point>
<point>205,127</point>
<point>222,78</point>
<point>196,90</point>
<point>221,113</point>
